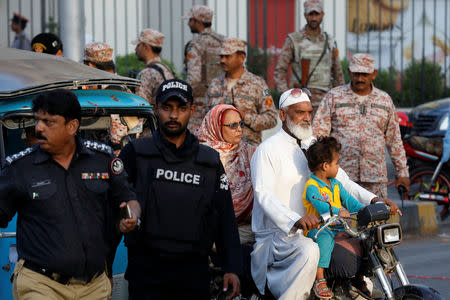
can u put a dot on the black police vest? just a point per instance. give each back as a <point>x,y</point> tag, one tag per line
<point>178,212</point>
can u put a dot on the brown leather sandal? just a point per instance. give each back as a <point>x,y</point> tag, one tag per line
<point>322,290</point>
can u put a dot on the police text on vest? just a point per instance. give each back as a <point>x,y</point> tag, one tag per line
<point>178,176</point>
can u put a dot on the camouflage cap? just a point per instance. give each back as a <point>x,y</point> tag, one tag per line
<point>313,5</point>
<point>150,36</point>
<point>98,52</point>
<point>232,45</point>
<point>200,12</point>
<point>362,63</point>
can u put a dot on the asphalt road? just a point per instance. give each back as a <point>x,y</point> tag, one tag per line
<point>426,259</point>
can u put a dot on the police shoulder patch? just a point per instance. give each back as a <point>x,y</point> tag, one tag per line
<point>117,166</point>
<point>224,183</point>
<point>98,147</point>
<point>12,158</point>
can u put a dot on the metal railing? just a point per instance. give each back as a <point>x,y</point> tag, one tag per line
<point>396,33</point>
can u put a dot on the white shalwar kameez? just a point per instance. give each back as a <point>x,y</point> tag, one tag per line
<point>282,254</point>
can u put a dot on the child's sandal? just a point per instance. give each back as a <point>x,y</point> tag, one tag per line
<point>322,290</point>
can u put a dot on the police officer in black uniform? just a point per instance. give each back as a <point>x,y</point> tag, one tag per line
<point>63,188</point>
<point>186,206</point>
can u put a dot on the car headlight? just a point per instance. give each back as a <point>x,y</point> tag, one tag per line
<point>389,234</point>
<point>443,123</point>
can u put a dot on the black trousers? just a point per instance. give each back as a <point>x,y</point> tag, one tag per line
<point>154,278</point>
<point>346,258</point>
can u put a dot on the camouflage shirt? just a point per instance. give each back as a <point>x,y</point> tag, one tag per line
<point>151,80</point>
<point>364,125</point>
<point>202,65</point>
<point>251,95</point>
<point>287,57</point>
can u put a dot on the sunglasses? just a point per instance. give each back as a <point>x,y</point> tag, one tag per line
<point>235,125</point>
<point>298,92</point>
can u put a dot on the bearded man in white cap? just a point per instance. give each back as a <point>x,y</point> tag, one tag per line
<point>283,258</point>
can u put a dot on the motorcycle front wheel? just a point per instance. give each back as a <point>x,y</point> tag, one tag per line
<point>420,184</point>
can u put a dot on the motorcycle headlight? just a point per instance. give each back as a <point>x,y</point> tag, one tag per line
<point>389,234</point>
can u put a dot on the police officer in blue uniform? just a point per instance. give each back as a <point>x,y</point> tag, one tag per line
<point>63,189</point>
<point>186,207</point>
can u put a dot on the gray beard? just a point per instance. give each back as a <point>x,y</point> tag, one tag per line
<point>298,131</point>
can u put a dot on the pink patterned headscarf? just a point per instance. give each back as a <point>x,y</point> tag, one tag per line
<point>235,159</point>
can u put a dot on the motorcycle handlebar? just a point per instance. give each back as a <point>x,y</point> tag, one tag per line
<point>327,220</point>
<point>7,234</point>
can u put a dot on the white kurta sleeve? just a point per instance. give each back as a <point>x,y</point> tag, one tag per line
<point>360,193</point>
<point>263,170</point>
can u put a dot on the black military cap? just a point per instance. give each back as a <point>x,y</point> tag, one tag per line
<point>174,88</point>
<point>46,43</point>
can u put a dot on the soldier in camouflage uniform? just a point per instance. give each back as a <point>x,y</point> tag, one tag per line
<point>100,56</point>
<point>247,92</point>
<point>318,53</point>
<point>148,47</point>
<point>202,59</point>
<point>362,118</point>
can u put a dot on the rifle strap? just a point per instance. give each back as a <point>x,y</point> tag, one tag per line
<point>160,70</point>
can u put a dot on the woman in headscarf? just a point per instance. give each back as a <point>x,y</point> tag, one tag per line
<point>221,130</point>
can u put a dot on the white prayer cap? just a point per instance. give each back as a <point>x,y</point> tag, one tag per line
<point>294,96</point>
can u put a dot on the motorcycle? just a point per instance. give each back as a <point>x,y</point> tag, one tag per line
<point>248,287</point>
<point>429,172</point>
<point>378,239</point>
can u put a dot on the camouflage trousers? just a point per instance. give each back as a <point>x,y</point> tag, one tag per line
<point>316,98</point>
<point>378,188</point>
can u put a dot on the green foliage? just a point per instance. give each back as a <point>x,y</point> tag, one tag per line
<point>52,26</point>
<point>344,64</point>
<point>432,83</point>
<point>386,80</point>
<point>130,66</point>
<point>258,61</point>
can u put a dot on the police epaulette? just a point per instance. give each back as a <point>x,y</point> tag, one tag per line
<point>12,158</point>
<point>98,146</point>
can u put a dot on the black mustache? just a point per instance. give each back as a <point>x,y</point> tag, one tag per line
<point>39,136</point>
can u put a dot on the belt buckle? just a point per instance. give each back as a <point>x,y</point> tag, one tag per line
<point>78,281</point>
<point>60,278</point>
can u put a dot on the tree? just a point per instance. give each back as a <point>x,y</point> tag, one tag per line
<point>130,66</point>
<point>422,82</point>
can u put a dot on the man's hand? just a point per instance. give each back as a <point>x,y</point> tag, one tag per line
<point>404,181</point>
<point>393,208</point>
<point>127,225</point>
<point>308,222</point>
<point>111,281</point>
<point>233,280</point>
<point>344,213</point>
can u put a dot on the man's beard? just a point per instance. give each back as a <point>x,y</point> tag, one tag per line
<point>172,132</point>
<point>298,130</point>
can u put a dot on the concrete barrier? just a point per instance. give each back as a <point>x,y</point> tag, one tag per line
<point>419,217</point>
